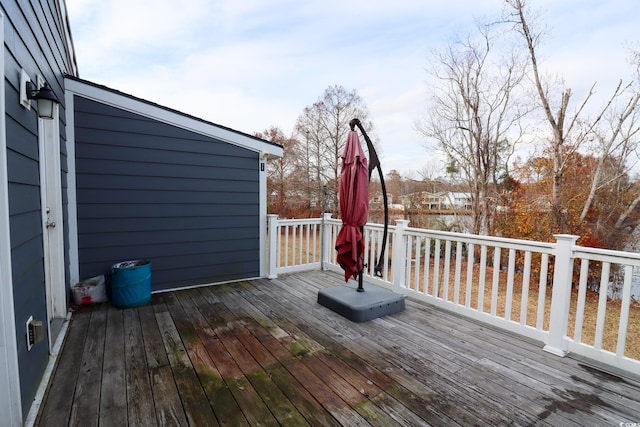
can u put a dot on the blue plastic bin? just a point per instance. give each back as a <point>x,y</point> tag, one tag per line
<point>131,283</point>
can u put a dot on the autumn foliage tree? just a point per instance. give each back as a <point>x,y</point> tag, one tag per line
<point>281,174</point>
<point>527,208</point>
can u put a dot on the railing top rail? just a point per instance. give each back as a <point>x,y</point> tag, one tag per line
<point>297,221</point>
<point>606,255</point>
<point>544,247</point>
<point>596,254</point>
<point>373,226</point>
<point>338,221</point>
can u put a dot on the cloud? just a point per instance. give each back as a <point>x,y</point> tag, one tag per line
<point>253,64</point>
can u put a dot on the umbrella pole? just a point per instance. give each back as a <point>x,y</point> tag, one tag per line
<point>360,275</point>
<point>374,163</point>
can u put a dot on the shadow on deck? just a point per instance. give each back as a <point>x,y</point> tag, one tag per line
<point>265,353</point>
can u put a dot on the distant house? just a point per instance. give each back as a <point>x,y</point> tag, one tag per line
<point>432,201</point>
<point>457,200</point>
<point>111,178</point>
<point>423,200</point>
<point>378,198</point>
<point>440,201</point>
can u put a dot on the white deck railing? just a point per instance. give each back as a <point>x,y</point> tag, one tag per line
<point>530,293</point>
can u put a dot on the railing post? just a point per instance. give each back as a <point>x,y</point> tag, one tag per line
<point>325,243</point>
<point>398,255</point>
<point>272,232</point>
<point>561,295</point>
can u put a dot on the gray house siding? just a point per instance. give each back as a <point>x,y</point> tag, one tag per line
<point>33,42</point>
<point>27,251</point>
<point>150,190</point>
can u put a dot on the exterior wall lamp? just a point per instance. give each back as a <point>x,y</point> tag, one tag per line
<point>45,98</point>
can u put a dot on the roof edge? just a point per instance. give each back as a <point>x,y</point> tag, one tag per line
<point>70,50</point>
<point>116,98</point>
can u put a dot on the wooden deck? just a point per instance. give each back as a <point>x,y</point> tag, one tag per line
<point>265,353</point>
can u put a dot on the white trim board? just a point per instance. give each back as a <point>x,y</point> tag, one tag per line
<point>72,206</point>
<point>53,227</point>
<point>262,171</point>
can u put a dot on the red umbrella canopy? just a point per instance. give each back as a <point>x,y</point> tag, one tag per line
<point>354,207</point>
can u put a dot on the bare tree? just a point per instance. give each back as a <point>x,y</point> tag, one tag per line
<point>629,149</point>
<point>569,132</point>
<point>431,171</point>
<point>474,116</point>
<point>324,126</point>
<point>616,139</point>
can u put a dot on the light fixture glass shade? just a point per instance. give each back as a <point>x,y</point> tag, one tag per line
<point>45,108</point>
<point>45,99</point>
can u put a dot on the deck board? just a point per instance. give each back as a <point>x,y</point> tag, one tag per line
<point>265,353</point>
<point>56,408</point>
<point>89,381</point>
<point>113,396</point>
<point>444,397</point>
<point>140,403</point>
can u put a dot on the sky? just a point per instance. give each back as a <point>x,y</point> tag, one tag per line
<point>253,64</point>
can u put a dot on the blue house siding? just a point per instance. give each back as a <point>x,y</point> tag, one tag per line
<point>34,42</point>
<point>150,190</point>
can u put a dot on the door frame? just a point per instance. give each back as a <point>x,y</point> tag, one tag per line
<point>10,401</point>
<point>52,218</point>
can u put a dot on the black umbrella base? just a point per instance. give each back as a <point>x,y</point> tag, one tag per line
<point>359,307</point>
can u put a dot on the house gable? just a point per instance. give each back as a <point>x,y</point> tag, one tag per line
<point>148,189</point>
<point>191,191</point>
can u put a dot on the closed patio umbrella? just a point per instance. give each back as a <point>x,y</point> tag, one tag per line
<point>354,207</point>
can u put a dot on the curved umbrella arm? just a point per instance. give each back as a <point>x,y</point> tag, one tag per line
<point>374,162</point>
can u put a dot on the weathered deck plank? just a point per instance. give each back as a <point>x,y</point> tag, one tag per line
<point>257,370</point>
<point>153,345</point>
<point>218,391</point>
<point>275,358</point>
<point>186,352</point>
<point>56,408</point>
<point>166,398</point>
<point>113,396</point>
<point>86,408</point>
<point>364,386</point>
<point>265,353</point>
<point>140,404</point>
<point>444,397</point>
